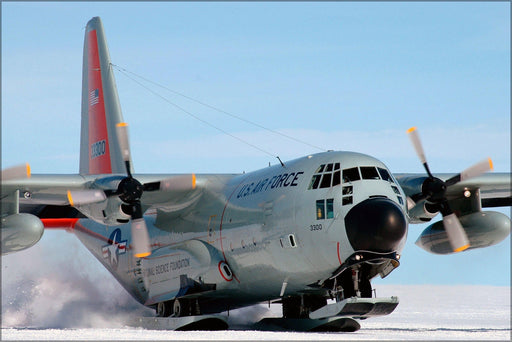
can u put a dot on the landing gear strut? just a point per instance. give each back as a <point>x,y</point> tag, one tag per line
<point>178,308</point>
<point>300,307</point>
<point>352,283</point>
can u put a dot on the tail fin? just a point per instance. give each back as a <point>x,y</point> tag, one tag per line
<point>100,152</point>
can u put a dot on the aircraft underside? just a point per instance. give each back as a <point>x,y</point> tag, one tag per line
<point>332,305</point>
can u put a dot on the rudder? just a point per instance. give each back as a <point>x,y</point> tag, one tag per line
<point>101,112</point>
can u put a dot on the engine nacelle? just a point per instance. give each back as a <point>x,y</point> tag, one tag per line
<point>483,228</point>
<point>110,211</point>
<point>20,231</point>
<point>420,213</point>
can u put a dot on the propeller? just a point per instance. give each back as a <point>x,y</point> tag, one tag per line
<point>130,191</point>
<point>16,172</point>
<point>434,189</point>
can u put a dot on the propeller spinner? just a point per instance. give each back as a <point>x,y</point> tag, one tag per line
<point>434,189</point>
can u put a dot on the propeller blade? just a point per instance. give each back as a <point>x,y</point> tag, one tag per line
<point>477,169</point>
<point>124,145</point>
<point>16,172</point>
<point>140,238</point>
<point>122,136</point>
<point>176,183</point>
<point>456,234</point>
<point>81,197</point>
<point>472,171</point>
<point>415,139</point>
<point>416,142</point>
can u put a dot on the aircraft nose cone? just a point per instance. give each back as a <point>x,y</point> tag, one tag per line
<point>376,224</point>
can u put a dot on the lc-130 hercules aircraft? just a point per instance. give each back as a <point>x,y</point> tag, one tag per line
<point>299,233</point>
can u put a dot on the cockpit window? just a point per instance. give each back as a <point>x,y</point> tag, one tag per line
<point>314,182</point>
<point>350,175</point>
<point>369,172</point>
<point>385,174</point>
<point>336,179</point>
<point>320,169</point>
<point>326,180</point>
<point>330,175</point>
<point>326,176</point>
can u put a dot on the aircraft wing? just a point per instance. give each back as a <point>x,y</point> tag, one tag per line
<point>27,200</point>
<point>52,190</point>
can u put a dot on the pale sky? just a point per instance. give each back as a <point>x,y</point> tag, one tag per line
<point>340,75</point>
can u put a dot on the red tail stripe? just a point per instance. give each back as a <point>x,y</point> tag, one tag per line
<point>99,149</point>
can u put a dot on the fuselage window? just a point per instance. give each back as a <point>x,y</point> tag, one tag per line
<point>320,209</point>
<point>350,175</point>
<point>330,208</point>
<point>325,209</point>
<point>369,172</point>
<point>328,168</point>
<point>385,174</point>
<point>336,166</point>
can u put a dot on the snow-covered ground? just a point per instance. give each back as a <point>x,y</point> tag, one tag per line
<point>424,313</point>
<point>67,295</point>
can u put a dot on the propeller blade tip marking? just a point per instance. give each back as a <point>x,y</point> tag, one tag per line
<point>412,129</point>
<point>28,170</point>
<point>122,124</point>
<point>491,166</point>
<point>193,181</point>
<point>70,198</point>
<point>460,249</point>
<point>142,255</point>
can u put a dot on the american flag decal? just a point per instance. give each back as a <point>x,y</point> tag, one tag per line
<point>94,97</point>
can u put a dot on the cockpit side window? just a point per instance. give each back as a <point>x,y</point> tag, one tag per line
<point>385,174</point>
<point>314,182</point>
<point>369,172</point>
<point>326,176</point>
<point>350,175</point>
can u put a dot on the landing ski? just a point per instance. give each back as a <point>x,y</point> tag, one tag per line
<point>203,322</point>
